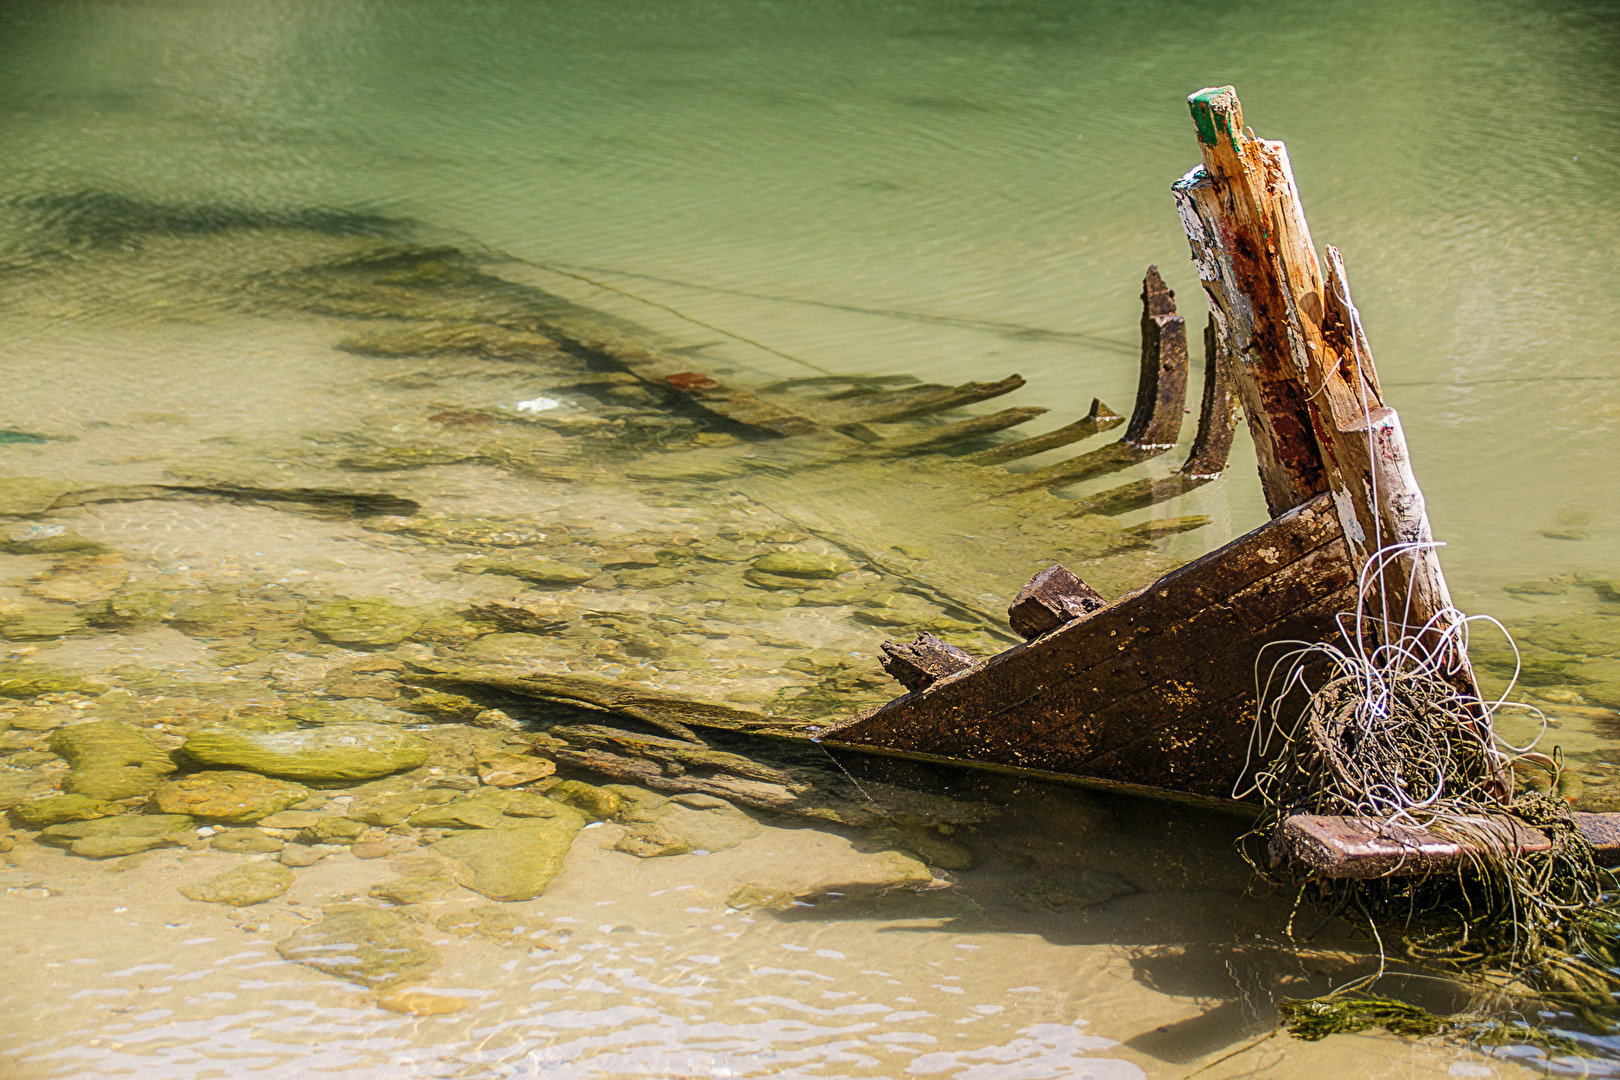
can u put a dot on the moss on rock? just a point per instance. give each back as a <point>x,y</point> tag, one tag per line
<point>110,760</point>
<point>366,621</point>
<point>335,752</point>
<point>243,886</point>
<point>228,795</point>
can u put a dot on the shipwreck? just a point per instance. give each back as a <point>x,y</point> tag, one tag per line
<point>1160,691</point>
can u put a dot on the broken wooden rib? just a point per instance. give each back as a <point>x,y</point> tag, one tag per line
<point>1206,461</point>
<point>1101,418</point>
<point>923,662</point>
<point>1161,398</point>
<point>1345,847</point>
<point>1150,689</point>
<point>675,373</point>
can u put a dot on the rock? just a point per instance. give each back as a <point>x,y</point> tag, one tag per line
<point>369,946</point>
<point>299,855</point>
<point>491,808</point>
<point>802,564</point>
<point>755,897</point>
<point>242,887</point>
<point>657,577</point>
<point>700,822</point>
<point>499,925</point>
<point>330,829</point>
<point>133,607</point>
<point>110,760</point>
<point>1536,588</point>
<point>457,708</point>
<point>337,752</point>
<point>224,795</point>
<point>650,841</point>
<point>515,863</point>
<point>19,787</point>
<point>412,890</point>
<point>56,809</point>
<point>31,680</point>
<point>511,649</point>
<point>453,630</point>
<point>597,803</point>
<point>1604,694</point>
<point>530,614</point>
<point>290,819</point>
<point>472,531</point>
<point>390,810</point>
<point>1071,891</point>
<point>247,842</point>
<point>126,834</point>
<point>934,849</point>
<point>40,624</point>
<point>510,770</point>
<point>535,571</point>
<point>695,467</point>
<point>21,496</point>
<point>366,621</point>
<point>412,1001</point>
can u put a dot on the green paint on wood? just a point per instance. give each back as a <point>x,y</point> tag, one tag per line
<point>1208,115</point>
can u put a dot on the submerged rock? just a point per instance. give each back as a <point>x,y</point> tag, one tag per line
<point>513,863</point>
<point>510,770</point>
<point>125,834</point>
<point>21,496</point>
<point>369,946</point>
<point>499,925</point>
<point>596,803</point>
<point>336,752</point>
<point>110,760</point>
<point>469,530</point>
<point>41,624</point>
<point>414,1001</point>
<point>802,564</point>
<point>31,680</point>
<point>367,621</point>
<point>411,890</point>
<point>701,822</point>
<point>225,795</point>
<point>390,810</point>
<point>491,808</point>
<point>694,467</point>
<point>242,887</point>
<point>247,842</point>
<point>650,840</point>
<point>55,809</point>
<point>534,571</point>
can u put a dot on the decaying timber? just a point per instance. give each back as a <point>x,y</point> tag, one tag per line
<point>1159,687</point>
<point>1340,847</point>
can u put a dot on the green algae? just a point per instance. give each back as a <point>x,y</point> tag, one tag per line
<point>56,809</point>
<point>228,796</point>
<point>335,752</point>
<point>243,886</point>
<point>365,621</point>
<point>110,760</point>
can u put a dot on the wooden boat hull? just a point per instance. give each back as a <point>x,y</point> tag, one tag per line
<point>1149,691</point>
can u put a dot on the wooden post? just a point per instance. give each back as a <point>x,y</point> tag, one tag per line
<point>1303,369</point>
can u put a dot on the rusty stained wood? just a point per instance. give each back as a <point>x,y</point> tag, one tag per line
<point>1049,599</point>
<point>1303,368</point>
<point>922,662</point>
<point>1206,461</point>
<point>1150,689</point>
<point>676,373</point>
<point>1347,847</point>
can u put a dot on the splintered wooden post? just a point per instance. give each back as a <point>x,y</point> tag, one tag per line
<point>1051,598</point>
<point>1303,370</point>
<point>922,662</point>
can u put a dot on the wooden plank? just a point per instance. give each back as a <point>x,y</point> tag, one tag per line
<point>934,438</point>
<point>1101,418</point>
<point>921,400</point>
<point>1344,847</point>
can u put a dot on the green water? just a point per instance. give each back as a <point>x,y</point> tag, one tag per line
<point>952,191</point>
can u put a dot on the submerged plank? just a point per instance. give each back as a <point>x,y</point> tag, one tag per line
<point>1101,418</point>
<point>1347,847</point>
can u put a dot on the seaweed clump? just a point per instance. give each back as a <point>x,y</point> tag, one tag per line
<point>1392,734</point>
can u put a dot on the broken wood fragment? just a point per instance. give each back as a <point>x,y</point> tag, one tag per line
<point>1051,598</point>
<point>1347,847</point>
<point>922,662</point>
<point>920,400</point>
<point>934,438</point>
<point>1161,395</point>
<point>1101,418</point>
<point>675,373</point>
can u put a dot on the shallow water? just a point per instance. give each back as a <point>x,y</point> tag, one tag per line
<point>947,192</point>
